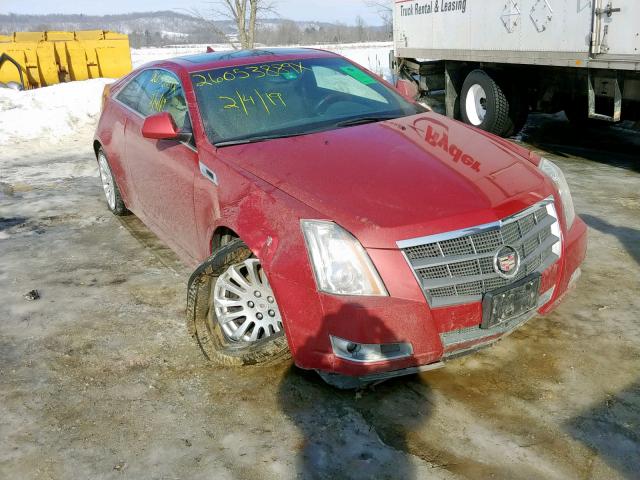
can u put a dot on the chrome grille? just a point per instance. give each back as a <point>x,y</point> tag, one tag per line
<point>457,267</point>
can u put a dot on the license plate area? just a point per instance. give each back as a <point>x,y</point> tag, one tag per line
<point>511,301</point>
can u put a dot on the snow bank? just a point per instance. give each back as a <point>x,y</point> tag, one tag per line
<point>50,113</point>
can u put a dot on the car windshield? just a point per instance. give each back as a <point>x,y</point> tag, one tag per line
<point>280,99</point>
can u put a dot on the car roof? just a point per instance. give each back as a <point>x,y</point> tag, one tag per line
<point>207,61</point>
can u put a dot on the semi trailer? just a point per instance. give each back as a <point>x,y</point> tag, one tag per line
<point>491,62</point>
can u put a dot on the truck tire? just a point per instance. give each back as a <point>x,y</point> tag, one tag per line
<point>485,105</point>
<point>232,312</point>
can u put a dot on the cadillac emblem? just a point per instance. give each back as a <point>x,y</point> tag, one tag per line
<point>506,262</point>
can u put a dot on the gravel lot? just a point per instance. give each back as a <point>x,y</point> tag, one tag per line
<point>99,379</point>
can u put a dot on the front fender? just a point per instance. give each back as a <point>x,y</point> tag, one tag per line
<point>267,220</point>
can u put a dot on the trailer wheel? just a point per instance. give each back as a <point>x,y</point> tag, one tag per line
<point>485,105</point>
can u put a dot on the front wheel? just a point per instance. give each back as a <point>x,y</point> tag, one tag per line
<point>232,311</point>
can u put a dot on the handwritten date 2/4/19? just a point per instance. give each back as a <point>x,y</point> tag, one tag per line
<point>267,101</point>
<point>251,71</point>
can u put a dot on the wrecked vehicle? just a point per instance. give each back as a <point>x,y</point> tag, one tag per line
<point>330,218</point>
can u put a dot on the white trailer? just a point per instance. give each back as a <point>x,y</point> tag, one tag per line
<point>493,61</point>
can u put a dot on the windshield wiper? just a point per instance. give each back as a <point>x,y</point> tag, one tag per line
<point>363,120</point>
<point>263,138</point>
<point>344,123</point>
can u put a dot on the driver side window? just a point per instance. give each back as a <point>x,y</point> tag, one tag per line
<point>161,91</point>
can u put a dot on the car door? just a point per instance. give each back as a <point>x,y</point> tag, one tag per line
<point>163,171</point>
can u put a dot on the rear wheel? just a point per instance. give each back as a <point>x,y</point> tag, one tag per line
<point>232,311</point>
<point>486,105</point>
<point>110,187</point>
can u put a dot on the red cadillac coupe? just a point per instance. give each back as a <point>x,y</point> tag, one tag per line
<point>330,218</point>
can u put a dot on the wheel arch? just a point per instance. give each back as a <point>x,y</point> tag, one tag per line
<point>261,243</point>
<point>222,235</point>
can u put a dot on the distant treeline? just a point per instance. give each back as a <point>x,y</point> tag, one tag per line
<point>157,29</point>
<point>288,32</point>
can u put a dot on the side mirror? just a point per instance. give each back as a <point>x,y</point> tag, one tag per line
<point>161,126</point>
<point>407,89</point>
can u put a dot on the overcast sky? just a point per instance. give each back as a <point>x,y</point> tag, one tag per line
<point>319,10</point>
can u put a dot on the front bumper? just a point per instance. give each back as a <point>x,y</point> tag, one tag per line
<point>435,334</point>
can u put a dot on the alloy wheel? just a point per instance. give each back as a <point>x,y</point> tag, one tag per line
<point>107,181</point>
<point>245,305</point>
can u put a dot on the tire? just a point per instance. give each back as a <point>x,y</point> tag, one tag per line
<point>202,313</point>
<point>110,186</point>
<point>485,105</point>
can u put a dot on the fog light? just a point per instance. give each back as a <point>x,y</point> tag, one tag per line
<point>546,297</point>
<point>362,352</point>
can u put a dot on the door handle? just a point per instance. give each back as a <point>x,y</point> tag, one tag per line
<point>209,174</point>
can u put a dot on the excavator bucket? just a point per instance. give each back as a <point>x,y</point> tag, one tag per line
<point>38,59</point>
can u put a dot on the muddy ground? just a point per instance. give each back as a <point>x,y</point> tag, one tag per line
<point>99,379</point>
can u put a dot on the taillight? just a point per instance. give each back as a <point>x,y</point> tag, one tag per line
<point>105,94</point>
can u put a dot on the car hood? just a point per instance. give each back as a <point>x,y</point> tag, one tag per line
<point>398,179</point>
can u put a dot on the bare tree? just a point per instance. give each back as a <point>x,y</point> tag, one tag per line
<point>244,13</point>
<point>361,29</point>
<point>384,8</point>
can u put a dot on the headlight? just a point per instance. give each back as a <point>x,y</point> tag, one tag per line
<point>555,174</point>
<point>341,265</point>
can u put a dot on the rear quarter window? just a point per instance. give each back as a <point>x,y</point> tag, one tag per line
<point>130,94</point>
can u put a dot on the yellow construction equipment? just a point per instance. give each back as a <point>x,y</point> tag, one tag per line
<point>39,59</point>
